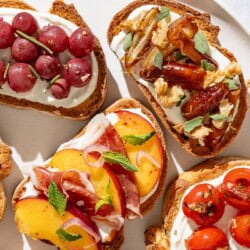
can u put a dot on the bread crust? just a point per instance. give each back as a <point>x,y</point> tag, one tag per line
<point>90,106</point>
<point>124,103</point>
<point>211,33</point>
<point>204,171</point>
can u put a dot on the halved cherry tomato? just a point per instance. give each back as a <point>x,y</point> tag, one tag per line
<point>207,238</point>
<point>240,229</point>
<point>236,188</point>
<point>204,204</point>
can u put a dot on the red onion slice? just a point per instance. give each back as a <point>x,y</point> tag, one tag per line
<point>142,154</point>
<point>94,148</point>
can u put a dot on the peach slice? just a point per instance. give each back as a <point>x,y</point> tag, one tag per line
<point>72,159</point>
<point>32,216</point>
<point>148,174</point>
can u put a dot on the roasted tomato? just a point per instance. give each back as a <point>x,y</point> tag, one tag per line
<point>204,204</point>
<point>207,238</point>
<point>236,188</point>
<point>240,229</point>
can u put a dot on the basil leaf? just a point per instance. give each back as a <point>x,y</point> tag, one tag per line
<point>201,43</point>
<point>56,198</point>
<point>231,84</point>
<point>164,12</point>
<point>66,236</point>
<point>137,139</point>
<point>127,41</point>
<point>181,101</point>
<point>158,60</point>
<point>178,56</point>
<point>207,65</point>
<point>119,158</point>
<point>192,124</point>
<point>218,117</point>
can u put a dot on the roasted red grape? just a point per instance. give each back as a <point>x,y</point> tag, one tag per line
<point>47,66</point>
<point>78,72</point>
<point>2,69</point>
<point>60,89</point>
<point>81,42</point>
<point>54,37</point>
<point>7,36</point>
<point>20,77</point>
<point>24,51</point>
<point>25,22</point>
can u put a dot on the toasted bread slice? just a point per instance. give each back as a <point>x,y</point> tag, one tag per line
<point>158,237</point>
<point>147,205</point>
<point>162,90</point>
<point>89,106</point>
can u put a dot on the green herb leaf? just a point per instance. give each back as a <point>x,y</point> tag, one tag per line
<point>104,200</point>
<point>66,236</point>
<point>35,41</point>
<point>201,43</point>
<point>6,70</point>
<point>128,41</point>
<point>192,124</point>
<point>231,83</point>
<point>207,65</point>
<point>181,101</point>
<point>218,117</point>
<point>100,203</point>
<point>164,12</point>
<point>178,56</point>
<point>158,60</point>
<point>119,158</point>
<point>137,139</point>
<point>56,198</point>
<point>53,80</point>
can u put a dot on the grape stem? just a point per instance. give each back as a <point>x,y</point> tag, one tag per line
<point>51,82</point>
<point>35,41</point>
<point>34,72</point>
<point>6,71</point>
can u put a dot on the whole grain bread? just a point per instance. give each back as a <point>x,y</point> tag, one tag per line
<point>211,32</point>
<point>125,103</point>
<point>90,106</point>
<point>157,237</point>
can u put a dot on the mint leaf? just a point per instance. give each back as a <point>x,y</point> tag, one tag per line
<point>181,101</point>
<point>104,200</point>
<point>207,65</point>
<point>164,12</point>
<point>192,124</point>
<point>218,117</point>
<point>127,41</point>
<point>158,60</point>
<point>56,198</point>
<point>231,83</point>
<point>66,236</point>
<point>201,43</point>
<point>137,139</point>
<point>119,158</point>
<point>178,56</point>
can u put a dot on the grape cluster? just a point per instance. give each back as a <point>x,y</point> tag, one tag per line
<point>35,55</point>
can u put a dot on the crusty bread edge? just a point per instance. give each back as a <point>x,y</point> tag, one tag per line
<point>90,106</point>
<point>125,103</point>
<point>203,171</point>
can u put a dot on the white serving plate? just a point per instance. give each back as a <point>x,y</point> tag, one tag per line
<point>34,135</point>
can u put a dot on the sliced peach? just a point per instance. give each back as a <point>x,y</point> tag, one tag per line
<point>100,177</point>
<point>133,124</point>
<point>39,220</point>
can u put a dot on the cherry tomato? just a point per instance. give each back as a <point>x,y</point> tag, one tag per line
<point>236,188</point>
<point>204,204</point>
<point>207,238</point>
<point>240,229</point>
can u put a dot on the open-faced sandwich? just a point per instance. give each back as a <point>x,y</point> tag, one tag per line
<point>206,208</point>
<point>195,86</point>
<point>5,169</point>
<point>113,170</point>
<point>50,62</point>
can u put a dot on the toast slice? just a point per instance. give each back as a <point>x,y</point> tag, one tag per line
<point>86,106</point>
<point>158,237</point>
<point>128,111</point>
<point>5,169</point>
<point>157,44</point>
